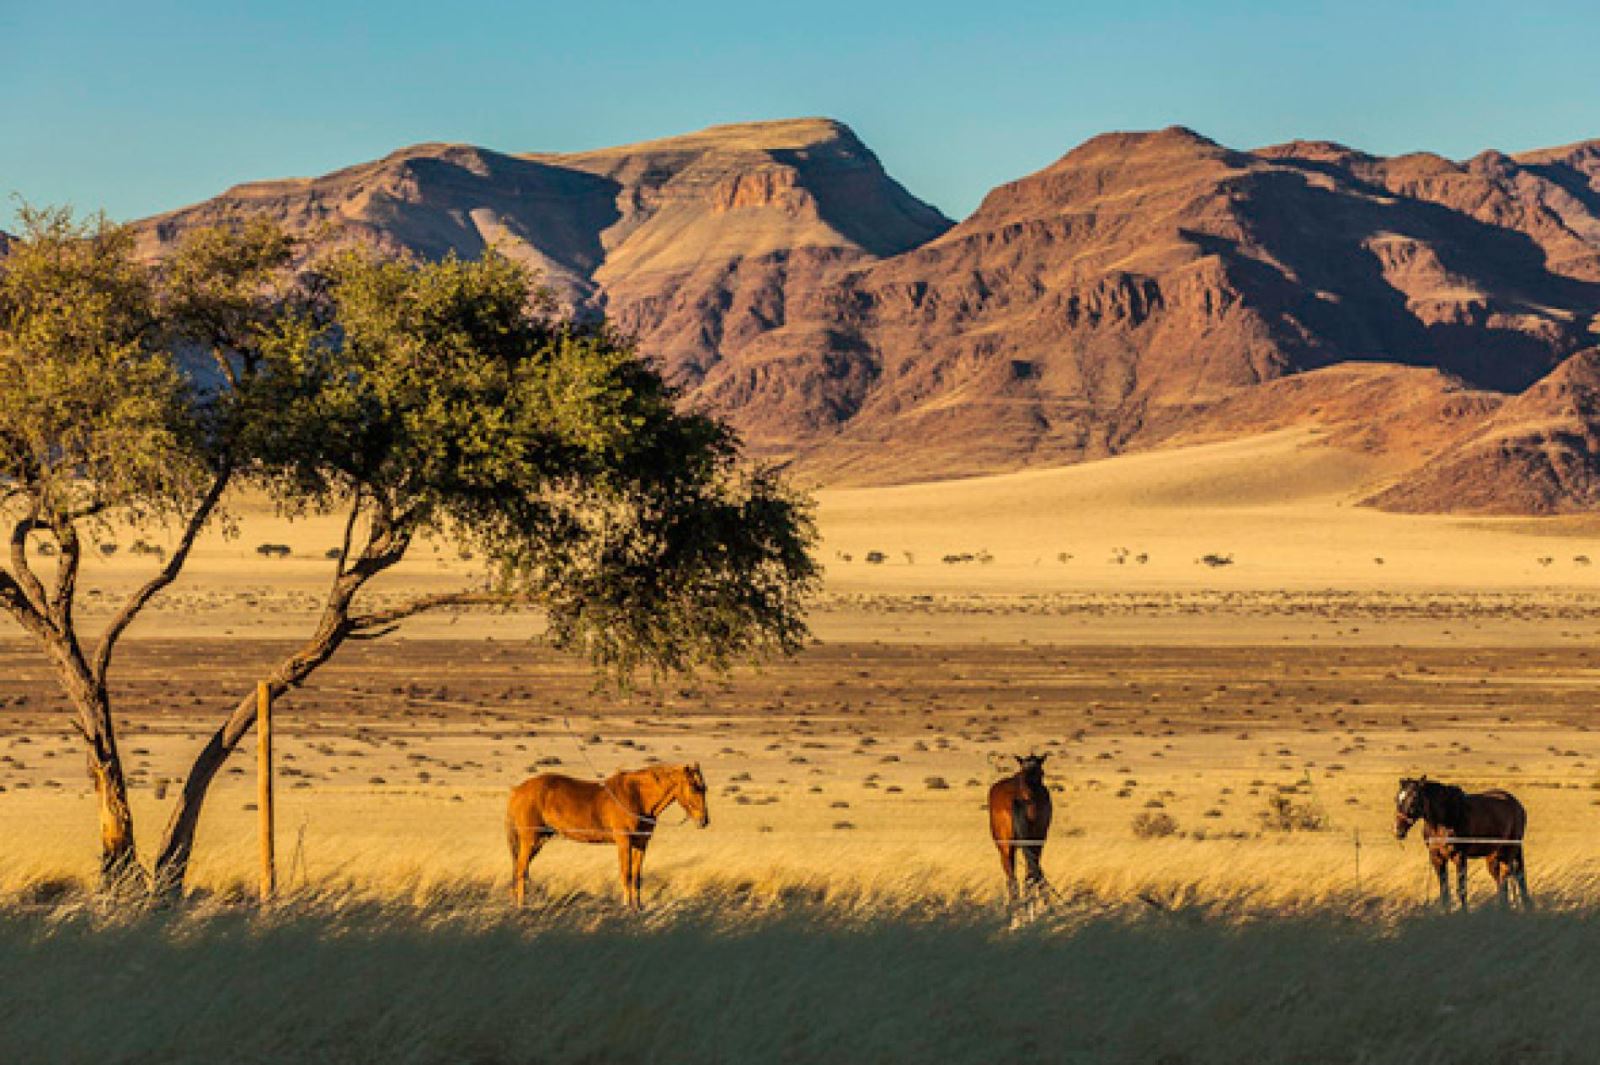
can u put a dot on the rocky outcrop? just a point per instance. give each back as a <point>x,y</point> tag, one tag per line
<point>701,246</point>
<point>1145,288</point>
<point>1538,454</point>
<point>1096,305</point>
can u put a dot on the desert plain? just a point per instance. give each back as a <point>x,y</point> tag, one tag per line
<point>1228,660</point>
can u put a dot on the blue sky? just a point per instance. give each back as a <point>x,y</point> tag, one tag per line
<point>141,107</point>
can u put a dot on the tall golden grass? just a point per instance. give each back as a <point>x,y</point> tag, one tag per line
<point>440,971</point>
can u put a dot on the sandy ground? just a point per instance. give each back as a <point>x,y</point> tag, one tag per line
<point>1305,668</point>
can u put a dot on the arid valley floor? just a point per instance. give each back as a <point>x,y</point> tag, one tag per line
<point>847,785</point>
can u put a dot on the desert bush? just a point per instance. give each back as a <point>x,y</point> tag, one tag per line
<point>1147,825</point>
<point>1214,560</point>
<point>1284,814</point>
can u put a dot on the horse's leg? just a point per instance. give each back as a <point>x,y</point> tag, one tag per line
<point>1461,880</point>
<point>1008,865</point>
<point>1442,871</point>
<point>1034,856</point>
<point>1500,870</point>
<point>1520,871</point>
<point>530,842</point>
<point>625,864</point>
<point>521,855</point>
<point>639,845</point>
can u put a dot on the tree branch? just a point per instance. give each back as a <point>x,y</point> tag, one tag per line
<point>168,573</point>
<point>16,603</point>
<point>67,564</point>
<point>383,619</point>
<point>27,581</point>
<point>349,533</point>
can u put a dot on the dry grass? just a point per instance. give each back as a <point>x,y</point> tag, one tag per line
<point>440,972</point>
<point>842,906</point>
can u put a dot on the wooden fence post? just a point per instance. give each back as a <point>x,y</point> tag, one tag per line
<point>269,877</point>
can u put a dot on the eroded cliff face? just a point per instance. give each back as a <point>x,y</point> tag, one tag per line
<point>701,246</point>
<point>1119,298</point>
<point>1144,278</point>
<point>1538,453</point>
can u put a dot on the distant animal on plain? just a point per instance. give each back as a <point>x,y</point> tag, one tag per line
<point>1458,826</point>
<point>1019,820</point>
<point>621,810</point>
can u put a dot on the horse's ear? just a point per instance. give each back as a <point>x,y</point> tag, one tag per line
<point>1042,757</point>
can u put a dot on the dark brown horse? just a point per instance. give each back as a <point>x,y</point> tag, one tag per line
<point>1457,826</point>
<point>1019,820</point>
<point>622,810</point>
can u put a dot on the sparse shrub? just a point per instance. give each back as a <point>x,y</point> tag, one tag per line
<point>936,784</point>
<point>1149,825</point>
<point>1215,560</point>
<point>1283,814</point>
<point>108,549</point>
<point>143,548</point>
<point>273,550</point>
<point>876,558</point>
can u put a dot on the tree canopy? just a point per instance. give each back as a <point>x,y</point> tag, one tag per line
<point>444,399</point>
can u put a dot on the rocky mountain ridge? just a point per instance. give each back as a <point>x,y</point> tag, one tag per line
<point>1143,289</point>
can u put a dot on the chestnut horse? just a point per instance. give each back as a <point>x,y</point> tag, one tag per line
<point>622,810</point>
<point>1019,820</point>
<point>1457,826</point>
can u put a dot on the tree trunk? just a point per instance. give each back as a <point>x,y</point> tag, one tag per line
<point>177,841</point>
<point>119,862</point>
<point>385,547</point>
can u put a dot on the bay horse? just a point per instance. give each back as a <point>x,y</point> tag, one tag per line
<point>1019,820</point>
<point>1458,826</point>
<point>622,809</point>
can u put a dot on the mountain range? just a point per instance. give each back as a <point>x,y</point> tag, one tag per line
<point>1144,290</point>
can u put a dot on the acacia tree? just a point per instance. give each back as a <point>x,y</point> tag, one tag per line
<point>445,399</point>
<point>100,422</point>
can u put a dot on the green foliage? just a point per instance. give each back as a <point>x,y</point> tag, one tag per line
<point>94,413</point>
<point>98,410</point>
<point>446,398</point>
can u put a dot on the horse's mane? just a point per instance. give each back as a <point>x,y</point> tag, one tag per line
<point>1444,804</point>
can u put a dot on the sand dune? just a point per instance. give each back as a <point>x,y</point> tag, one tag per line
<point>1282,505</point>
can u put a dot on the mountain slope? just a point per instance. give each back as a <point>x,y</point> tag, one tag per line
<point>1144,289</point>
<point>1144,277</point>
<point>1539,454</point>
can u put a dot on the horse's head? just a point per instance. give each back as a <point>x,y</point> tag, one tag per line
<point>1408,805</point>
<point>1032,766</point>
<point>691,793</point>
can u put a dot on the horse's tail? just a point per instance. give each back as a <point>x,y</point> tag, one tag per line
<point>512,835</point>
